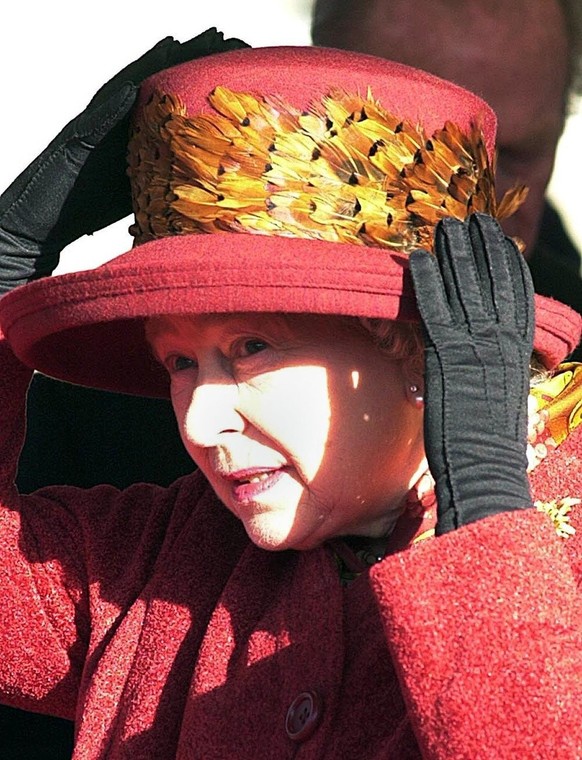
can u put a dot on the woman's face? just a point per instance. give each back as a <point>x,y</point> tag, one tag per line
<point>302,426</point>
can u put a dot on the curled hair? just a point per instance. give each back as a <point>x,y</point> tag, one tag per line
<point>400,340</point>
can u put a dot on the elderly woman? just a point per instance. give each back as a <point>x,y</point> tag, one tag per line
<point>360,564</point>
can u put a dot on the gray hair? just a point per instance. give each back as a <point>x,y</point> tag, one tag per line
<point>404,340</point>
<point>400,340</point>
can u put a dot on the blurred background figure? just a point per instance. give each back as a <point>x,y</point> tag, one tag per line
<point>525,58</point>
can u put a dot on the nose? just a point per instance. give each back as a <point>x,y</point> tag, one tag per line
<point>212,413</point>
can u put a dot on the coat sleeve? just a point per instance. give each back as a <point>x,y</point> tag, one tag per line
<point>42,614</point>
<point>71,562</point>
<point>484,625</point>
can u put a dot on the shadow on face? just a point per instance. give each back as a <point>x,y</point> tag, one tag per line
<point>302,424</point>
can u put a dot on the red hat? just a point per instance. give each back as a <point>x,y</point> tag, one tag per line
<point>273,179</point>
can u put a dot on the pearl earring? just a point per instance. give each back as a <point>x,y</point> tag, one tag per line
<point>416,395</point>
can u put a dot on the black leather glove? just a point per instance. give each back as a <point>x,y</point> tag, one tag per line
<point>78,184</point>
<point>475,298</point>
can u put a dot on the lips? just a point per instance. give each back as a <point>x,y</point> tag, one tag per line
<point>247,485</point>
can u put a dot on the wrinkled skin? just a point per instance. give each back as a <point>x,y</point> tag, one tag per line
<point>305,429</point>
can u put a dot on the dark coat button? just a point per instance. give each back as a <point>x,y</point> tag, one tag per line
<point>303,716</point>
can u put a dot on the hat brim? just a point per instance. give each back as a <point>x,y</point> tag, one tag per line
<point>88,327</point>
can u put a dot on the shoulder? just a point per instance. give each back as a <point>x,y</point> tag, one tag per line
<point>557,490</point>
<point>143,507</point>
<point>556,479</point>
<point>556,482</point>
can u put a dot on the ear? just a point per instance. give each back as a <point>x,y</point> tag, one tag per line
<point>413,375</point>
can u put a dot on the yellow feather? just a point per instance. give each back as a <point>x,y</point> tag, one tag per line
<point>343,170</point>
<point>511,201</point>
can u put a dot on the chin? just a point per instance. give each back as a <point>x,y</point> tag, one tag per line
<point>276,535</point>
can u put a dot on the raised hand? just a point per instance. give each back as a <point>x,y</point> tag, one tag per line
<point>78,184</point>
<point>475,298</point>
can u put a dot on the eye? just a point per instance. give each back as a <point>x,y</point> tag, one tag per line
<point>251,346</point>
<point>179,363</point>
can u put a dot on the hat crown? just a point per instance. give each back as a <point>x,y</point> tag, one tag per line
<point>87,327</point>
<point>302,75</point>
<point>318,143</point>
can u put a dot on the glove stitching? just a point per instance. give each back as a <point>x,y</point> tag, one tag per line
<point>31,185</point>
<point>61,150</point>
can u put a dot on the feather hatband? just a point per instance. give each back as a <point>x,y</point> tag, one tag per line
<point>345,170</point>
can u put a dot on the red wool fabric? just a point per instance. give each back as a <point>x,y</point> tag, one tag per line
<point>87,327</point>
<point>149,617</point>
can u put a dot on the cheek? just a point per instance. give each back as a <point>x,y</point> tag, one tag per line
<point>379,421</point>
<point>374,396</point>
<point>181,397</point>
<point>291,407</point>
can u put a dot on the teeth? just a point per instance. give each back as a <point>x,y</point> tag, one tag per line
<point>259,478</point>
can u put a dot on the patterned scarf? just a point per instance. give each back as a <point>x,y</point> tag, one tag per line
<point>558,400</point>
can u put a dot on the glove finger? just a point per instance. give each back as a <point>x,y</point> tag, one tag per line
<point>165,53</point>
<point>209,42</point>
<point>98,187</point>
<point>96,122</point>
<point>135,72</point>
<point>470,302</point>
<point>23,187</point>
<point>431,296</point>
<point>42,197</point>
<point>524,293</point>
<point>492,255</point>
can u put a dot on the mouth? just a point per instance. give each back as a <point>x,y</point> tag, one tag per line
<point>260,477</point>
<point>247,485</point>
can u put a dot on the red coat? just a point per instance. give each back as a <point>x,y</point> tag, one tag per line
<point>149,617</point>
